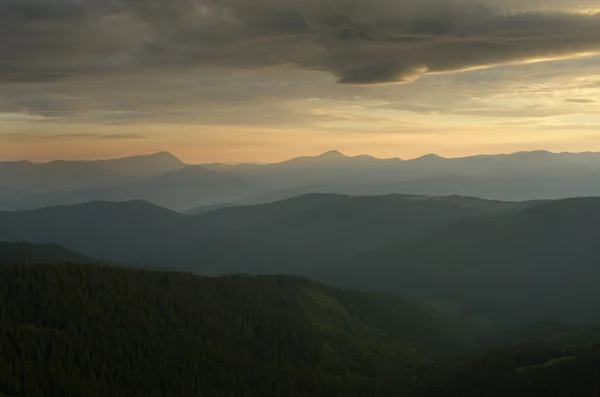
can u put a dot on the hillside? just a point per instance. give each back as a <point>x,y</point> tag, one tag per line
<point>177,190</point>
<point>295,235</point>
<point>119,232</point>
<point>26,253</point>
<point>280,237</point>
<point>69,330</point>
<point>38,178</point>
<point>525,371</point>
<point>505,270</point>
<point>547,332</point>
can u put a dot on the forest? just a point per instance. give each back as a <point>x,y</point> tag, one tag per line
<point>98,330</point>
<point>85,330</point>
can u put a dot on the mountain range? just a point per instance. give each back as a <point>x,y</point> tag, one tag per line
<point>177,190</point>
<point>500,264</point>
<point>511,171</point>
<point>71,175</point>
<point>264,238</point>
<point>164,180</point>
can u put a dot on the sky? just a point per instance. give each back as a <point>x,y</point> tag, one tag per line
<point>266,80</point>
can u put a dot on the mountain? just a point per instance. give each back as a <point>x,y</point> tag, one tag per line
<point>541,359</point>
<point>522,176</point>
<point>177,190</point>
<point>332,167</point>
<point>288,236</point>
<point>105,331</point>
<point>518,176</point>
<point>56,176</point>
<point>525,371</point>
<point>120,232</point>
<point>203,209</point>
<point>26,253</point>
<point>11,193</point>
<point>152,164</point>
<point>440,185</point>
<point>330,157</point>
<point>537,264</point>
<point>547,332</point>
<point>517,188</point>
<point>298,234</point>
<point>499,264</point>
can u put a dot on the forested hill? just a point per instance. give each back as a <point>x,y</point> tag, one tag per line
<point>72,330</point>
<point>280,237</point>
<point>25,252</point>
<point>538,264</point>
<point>537,370</point>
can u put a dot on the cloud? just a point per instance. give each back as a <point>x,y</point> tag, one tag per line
<point>84,135</point>
<point>120,136</point>
<point>580,100</point>
<point>358,42</point>
<point>570,127</point>
<point>20,117</point>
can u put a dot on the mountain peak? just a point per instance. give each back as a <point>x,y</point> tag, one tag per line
<point>157,156</point>
<point>538,153</point>
<point>327,157</point>
<point>430,156</point>
<point>154,163</point>
<point>332,154</point>
<point>163,154</point>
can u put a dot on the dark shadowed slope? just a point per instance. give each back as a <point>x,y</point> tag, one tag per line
<point>203,209</point>
<point>177,190</point>
<point>547,332</point>
<point>526,371</point>
<point>537,264</point>
<point>27,253</point>
<point>72,330</point>
<point>121,232</point>
<point>295,235</point>
<point>287,236</point>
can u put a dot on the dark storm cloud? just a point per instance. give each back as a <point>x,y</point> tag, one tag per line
<point>359,41</point>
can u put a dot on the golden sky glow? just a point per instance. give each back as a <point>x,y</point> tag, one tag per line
<point>498,90</point>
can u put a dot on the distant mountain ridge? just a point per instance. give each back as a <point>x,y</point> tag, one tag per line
<point>150,164</point>
<point>179,190</point>
<point>521,176</point>
<point>536,175</point>
<point>36,178</point>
